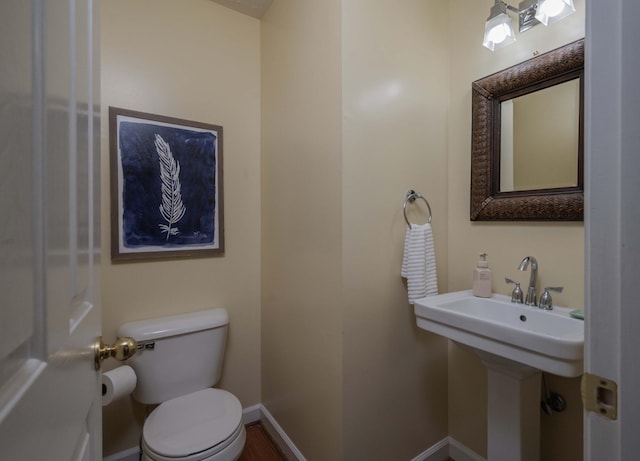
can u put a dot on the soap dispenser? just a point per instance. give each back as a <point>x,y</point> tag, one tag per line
<point>482,278</point>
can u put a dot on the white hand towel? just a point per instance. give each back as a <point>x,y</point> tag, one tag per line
<point>419,262</point>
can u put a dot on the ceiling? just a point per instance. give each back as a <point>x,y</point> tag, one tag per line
<point>255,8</point>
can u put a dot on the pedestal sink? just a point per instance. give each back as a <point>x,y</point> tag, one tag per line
<point>515,343</point>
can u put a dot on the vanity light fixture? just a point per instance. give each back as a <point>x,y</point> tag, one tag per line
<point>550,11</point>
<point>498,30</point>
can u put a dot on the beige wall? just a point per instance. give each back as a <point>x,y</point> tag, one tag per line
<point>353,116</point>
<point>194,60</point>
<point>558,247</point>
<point>332,110</point>
<point>394,76</point>
<point>302,223</point>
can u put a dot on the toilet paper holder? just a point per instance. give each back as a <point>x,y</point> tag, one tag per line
<point>121,350</point>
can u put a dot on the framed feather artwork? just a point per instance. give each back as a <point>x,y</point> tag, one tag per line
<point>166,187</point>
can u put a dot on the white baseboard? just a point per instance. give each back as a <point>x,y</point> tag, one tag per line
<point>279,436</point>
<point>132,454</point>
<point>252,414</point>
<point>438,452</point>
<point>441,451</point>
<point>448,448</point>
<point>460,452</point>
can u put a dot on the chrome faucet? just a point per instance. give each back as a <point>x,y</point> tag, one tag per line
<point>531,299</point>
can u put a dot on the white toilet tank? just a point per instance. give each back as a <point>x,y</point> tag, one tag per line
<point>181,354</point>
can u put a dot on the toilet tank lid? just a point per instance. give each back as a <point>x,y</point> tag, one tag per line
<point>172,325</point>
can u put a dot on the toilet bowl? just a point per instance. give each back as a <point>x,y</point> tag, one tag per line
<point>204,425</point>
<point>179,359</point>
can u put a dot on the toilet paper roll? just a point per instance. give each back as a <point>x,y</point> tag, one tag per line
<point>117,383</point>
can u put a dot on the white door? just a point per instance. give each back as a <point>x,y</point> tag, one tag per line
<point>49,121</point>
<point>612,223</point>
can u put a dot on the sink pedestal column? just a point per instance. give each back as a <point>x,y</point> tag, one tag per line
<point>513,407</point>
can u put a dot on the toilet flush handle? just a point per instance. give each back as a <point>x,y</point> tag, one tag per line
<point>122,349</point>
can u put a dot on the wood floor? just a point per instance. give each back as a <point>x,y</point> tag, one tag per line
<point>259,446</point>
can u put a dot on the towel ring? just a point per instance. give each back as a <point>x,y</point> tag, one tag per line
<point>411,197</point>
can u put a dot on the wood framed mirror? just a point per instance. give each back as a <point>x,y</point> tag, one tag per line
<point>515,177</point>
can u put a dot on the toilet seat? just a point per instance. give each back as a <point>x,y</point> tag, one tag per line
<point>193,427</point>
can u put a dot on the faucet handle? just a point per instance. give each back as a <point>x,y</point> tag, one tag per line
<point>546,302</point>
<point>516,294</point>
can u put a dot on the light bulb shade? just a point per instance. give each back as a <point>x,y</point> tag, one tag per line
<point>550,11</point>
<point>498,31</point>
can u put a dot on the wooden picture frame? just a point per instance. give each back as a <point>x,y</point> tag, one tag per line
<point>166,187</point>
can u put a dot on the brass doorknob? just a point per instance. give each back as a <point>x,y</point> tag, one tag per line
<point>122,349</point>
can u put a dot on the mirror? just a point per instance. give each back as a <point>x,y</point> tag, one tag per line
<point>537,130</point>
<point>527,143</point>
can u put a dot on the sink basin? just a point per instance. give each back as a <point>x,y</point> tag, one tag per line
<point>550,341</point>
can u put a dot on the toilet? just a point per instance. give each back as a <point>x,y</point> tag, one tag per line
<point>179,358</point>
